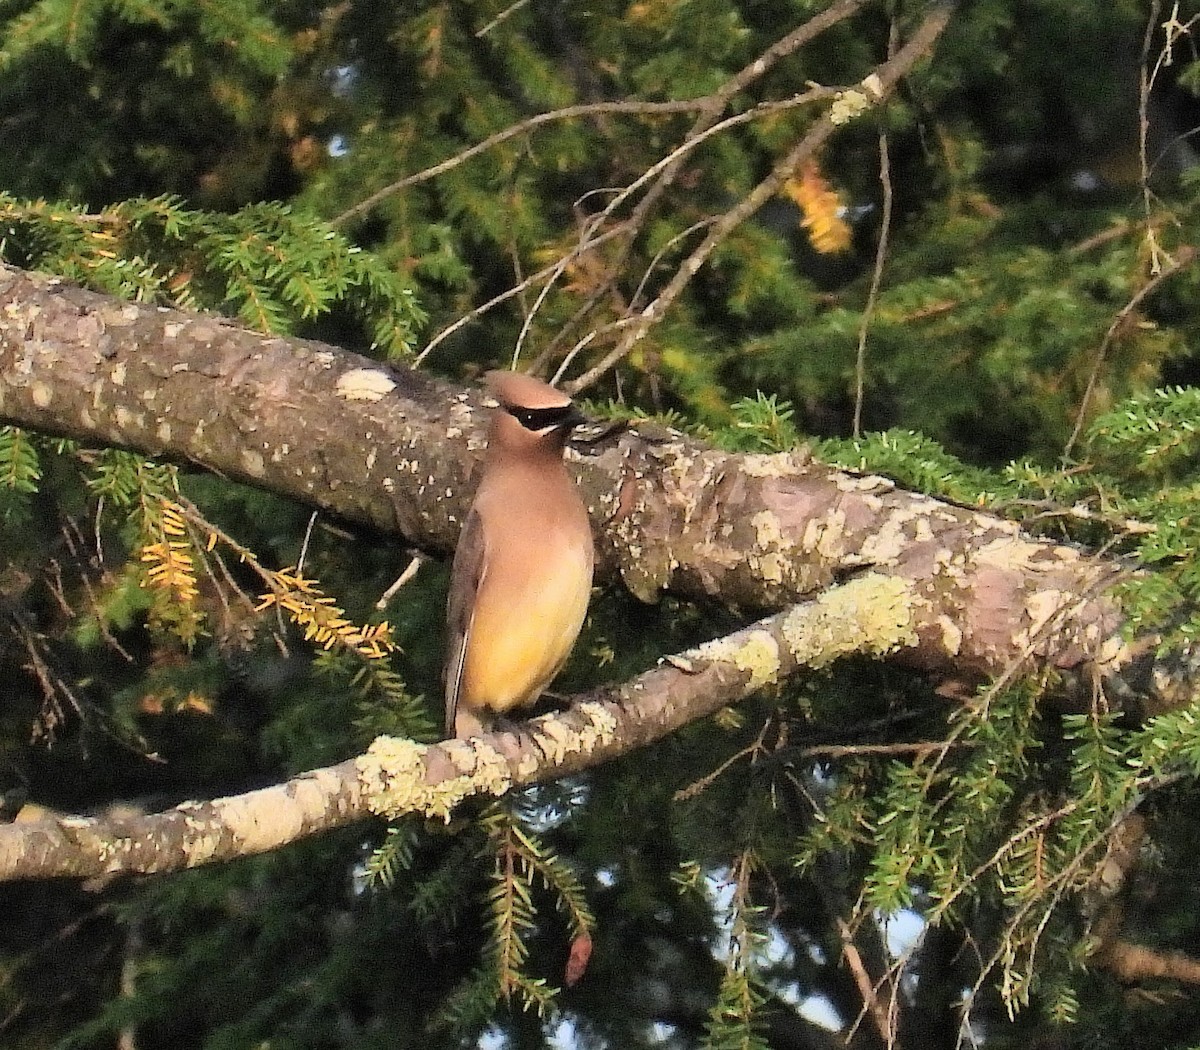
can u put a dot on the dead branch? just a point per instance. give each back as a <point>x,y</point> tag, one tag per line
<point>659,177</point>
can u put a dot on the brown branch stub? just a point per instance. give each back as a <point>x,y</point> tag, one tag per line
<point>1133,963</point>
<point>1129,962</point>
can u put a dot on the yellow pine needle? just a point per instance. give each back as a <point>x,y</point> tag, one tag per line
<point>321,620</point>
<point>170,567</point>
<point>821,206</point>
<point>170,570</point>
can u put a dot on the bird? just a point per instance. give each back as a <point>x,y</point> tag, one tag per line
<point>522,571</point>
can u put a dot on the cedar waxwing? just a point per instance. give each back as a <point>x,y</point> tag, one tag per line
<point>522,571</point>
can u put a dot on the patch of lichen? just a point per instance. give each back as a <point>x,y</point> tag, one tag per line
<point>394,775</point>
<point>870,614</point>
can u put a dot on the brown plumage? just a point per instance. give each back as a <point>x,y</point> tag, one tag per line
<point>522,571</point>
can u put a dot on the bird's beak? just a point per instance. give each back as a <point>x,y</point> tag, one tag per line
<point>574,418</point>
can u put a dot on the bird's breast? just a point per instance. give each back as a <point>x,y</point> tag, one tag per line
<point>528,611</point>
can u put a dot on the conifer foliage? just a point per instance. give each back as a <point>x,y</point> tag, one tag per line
<point>950,243</point>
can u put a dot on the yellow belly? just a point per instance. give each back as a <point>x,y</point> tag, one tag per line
<point>516,647</point>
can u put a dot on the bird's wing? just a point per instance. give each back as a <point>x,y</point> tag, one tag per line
<point>470,564</point>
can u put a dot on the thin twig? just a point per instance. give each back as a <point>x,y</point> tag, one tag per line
<point>659,171</point>
<point>914,747</point>
<point>504,296</point>
<point>1062,880</point>
<point>616,325</point>
<point>548,351</point>
<point>697,786</point>
<point>604,288</point>
<point>514,253</point>
<point>592,336</point>
<point>623,322</point>
<point>860,360</point>
<point>749,73</point>
<point>586,109</point>
<point>530,314</point>
<point>308,531</point>
<point>98,520</point>
<point>1111,233</point>
<point>653,264</point>
<point>409,572</point>
<point>101,621</point>
<point>39,211</point>
<point>1183,257</point>
<point>1174,30</point>
<point>746,207</point>
<point>881,250</point>
<point>222,586</point>
<point>711,106</point>
<point>1145,80</point>
<point>588,243</point>
<point>510,10</point>
<point>54,688</point>
<point>867,991</point>
<point>880,84</point>
<point>194,515</point>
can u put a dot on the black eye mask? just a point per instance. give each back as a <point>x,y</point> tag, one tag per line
<point>543,418</point>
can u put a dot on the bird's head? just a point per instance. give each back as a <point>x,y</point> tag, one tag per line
<point>533,416</point>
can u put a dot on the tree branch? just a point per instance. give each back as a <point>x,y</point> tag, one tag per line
<point>397,450</point>
<point>588,109</point>
<point>709,105</point>
<point>875,89</point>
<point>872,614</point>
<point>659,177</point>
<point>593,233</point>
<point>1131,963</point>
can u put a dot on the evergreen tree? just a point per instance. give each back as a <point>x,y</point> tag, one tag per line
<point>951,244</point>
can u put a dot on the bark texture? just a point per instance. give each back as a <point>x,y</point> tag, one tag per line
<point>397,450</point>
<point>395,777</point>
